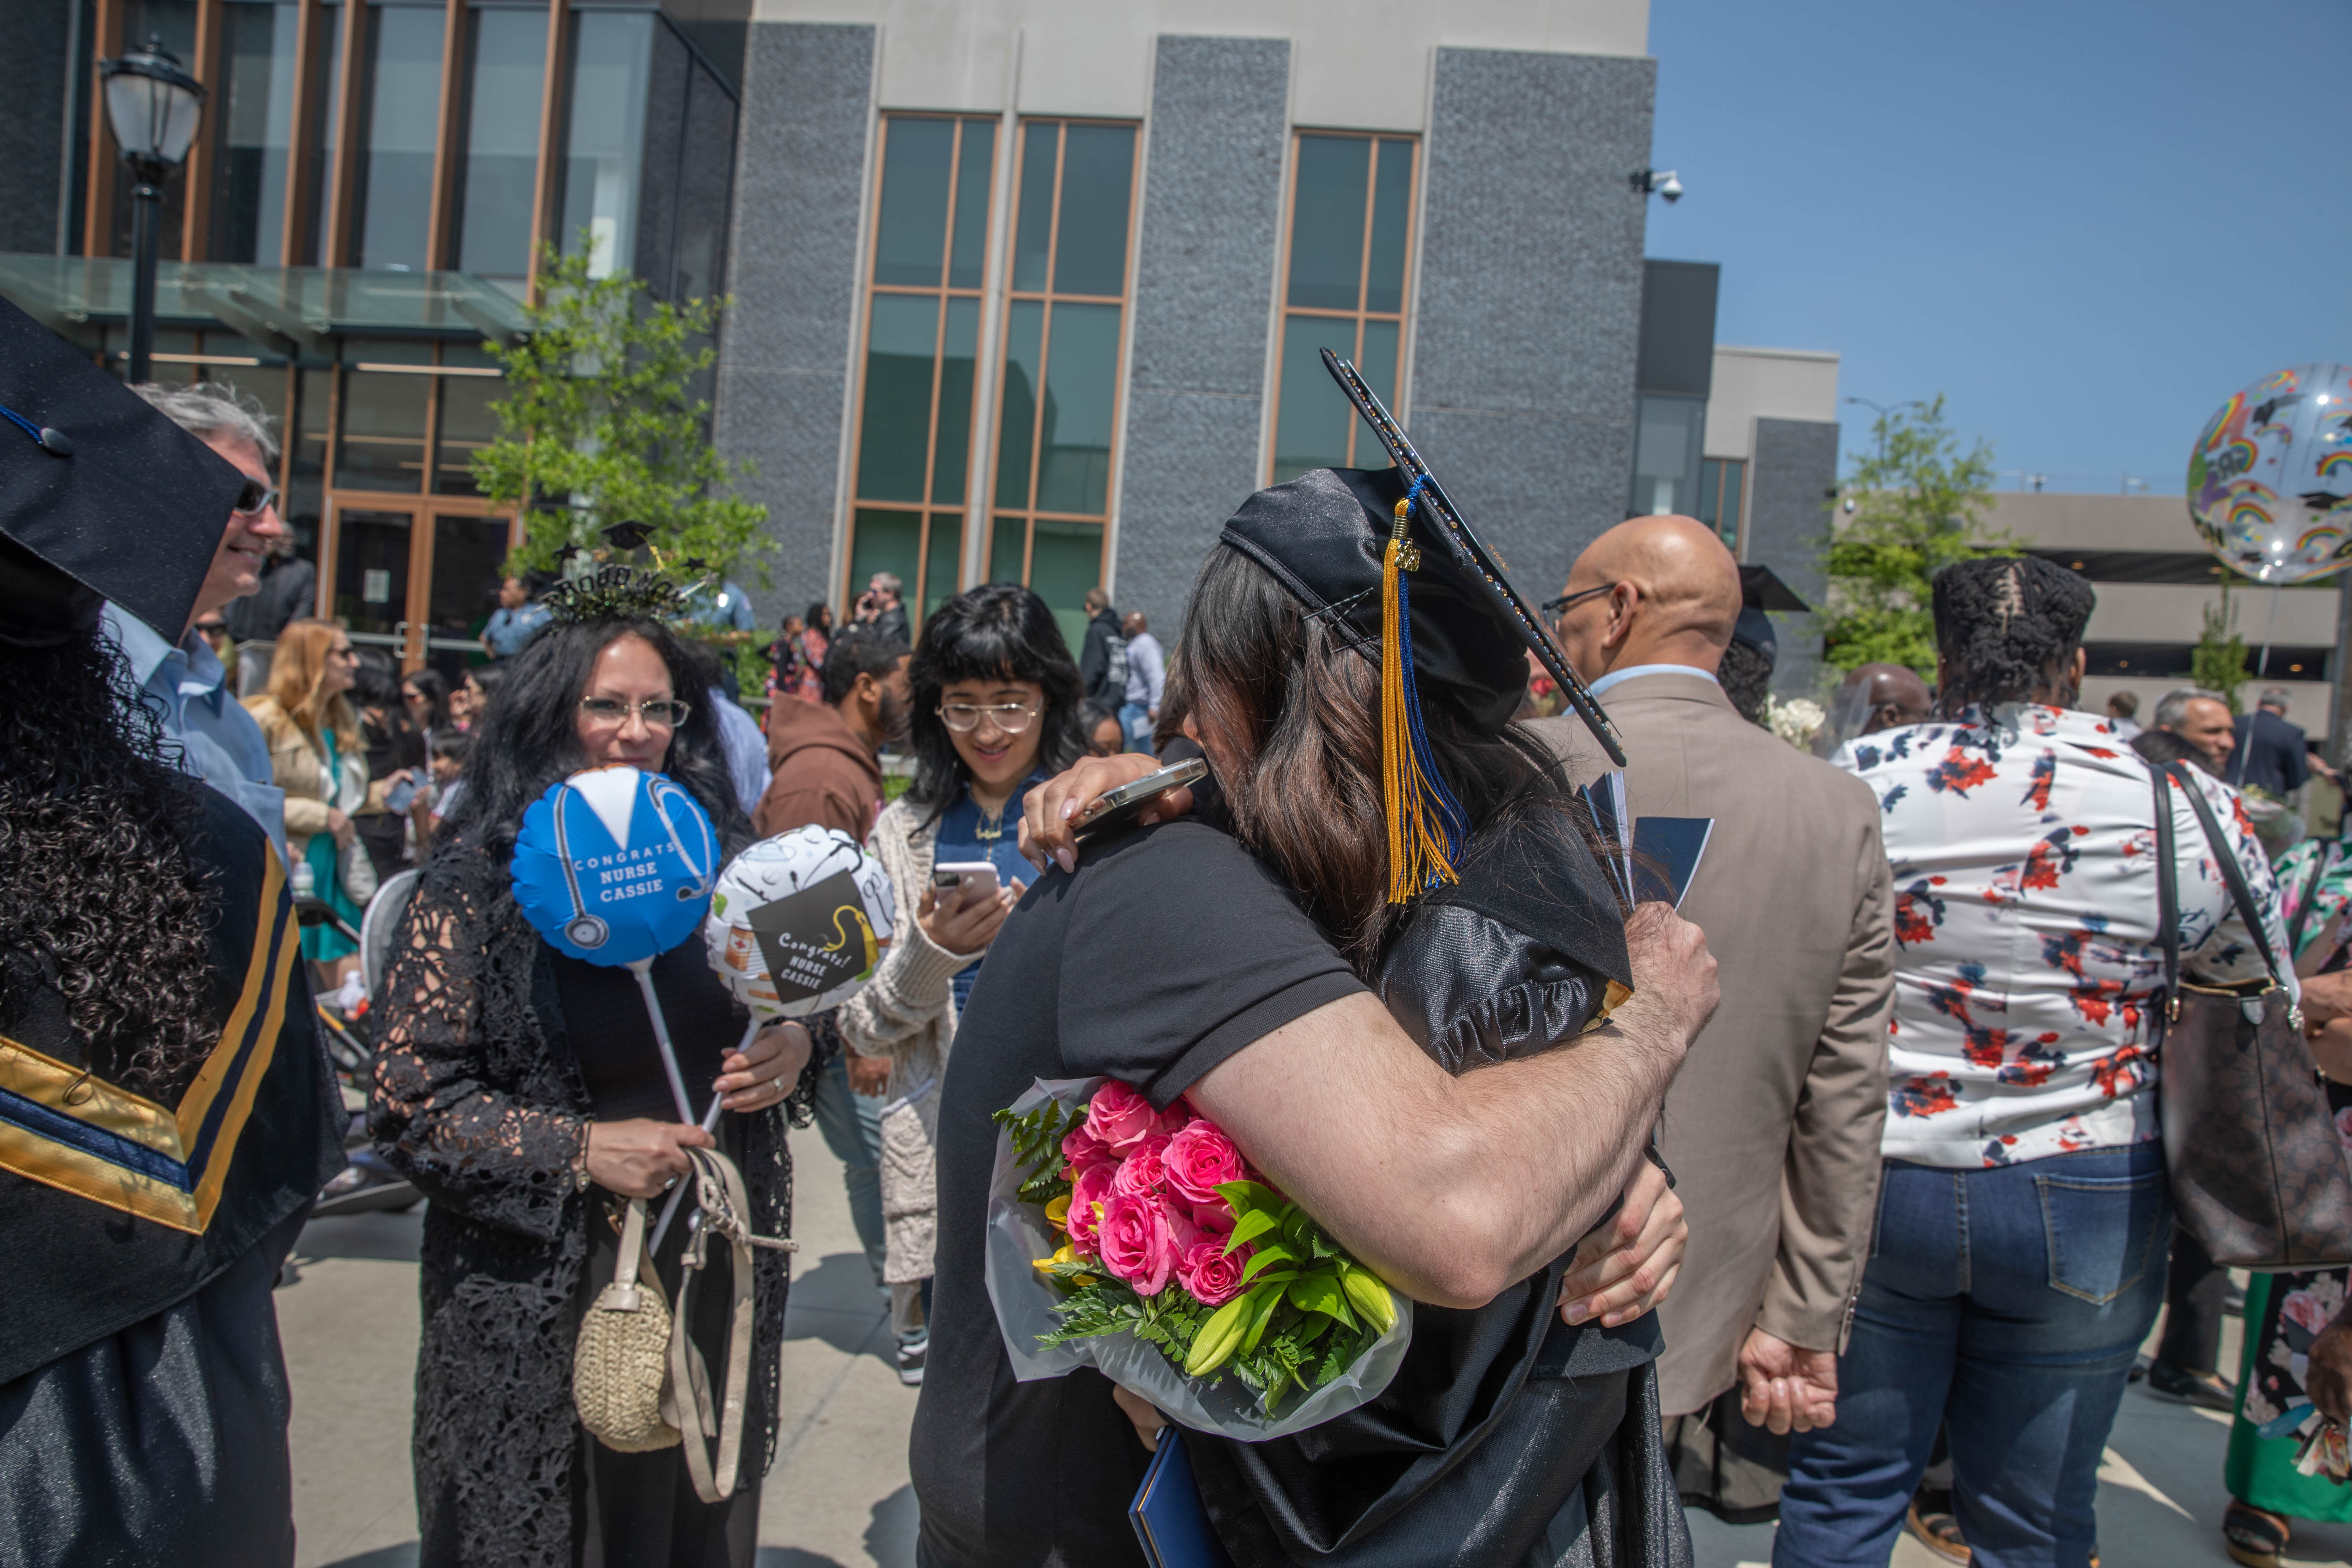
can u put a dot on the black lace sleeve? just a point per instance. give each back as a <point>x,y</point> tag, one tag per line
<point>466,1101</point>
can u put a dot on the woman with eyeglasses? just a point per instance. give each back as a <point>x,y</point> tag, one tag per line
<point>995,701</point>
<point>523,1092</point>
<point>318,756</point>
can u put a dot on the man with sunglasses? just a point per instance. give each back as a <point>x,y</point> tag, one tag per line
<point>185,682</point>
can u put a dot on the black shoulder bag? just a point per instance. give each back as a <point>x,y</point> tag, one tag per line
<point>2257,1174</point>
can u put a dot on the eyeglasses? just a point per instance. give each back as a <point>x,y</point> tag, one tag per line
<point>256,499</point>
<point>662,713</point>
<point>1558,607</point>
<point>963,718</point>
<point>213,628</point>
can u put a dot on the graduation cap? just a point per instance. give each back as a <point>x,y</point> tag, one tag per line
<point>1761,589</point>
<point>1384,558</point>
<point>101,497</point>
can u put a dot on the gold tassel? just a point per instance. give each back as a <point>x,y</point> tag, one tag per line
<point>1417,849</point>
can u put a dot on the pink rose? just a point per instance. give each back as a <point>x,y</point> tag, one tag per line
<point>1141,1172</point>
<point>1091,1190</point>
<point>1137,1245</point>
<point>1118,1118</point>
<point>1216,1218</point>
<point>1199,1160</point>
<point>1081,1149</point>
<point>2304,1310</point>
<point>1176,1118</point>
<point>1208,1275</point>
<point>2344,1128</point>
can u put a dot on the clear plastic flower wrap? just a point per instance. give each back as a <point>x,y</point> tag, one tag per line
<point>1111,1244</point>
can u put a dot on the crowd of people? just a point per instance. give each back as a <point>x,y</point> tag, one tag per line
<point>1871,1247</point>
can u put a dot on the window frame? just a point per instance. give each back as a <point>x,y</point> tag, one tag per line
<point>1401,316</point>
<point>928,511</point>
<point>1007,297</point>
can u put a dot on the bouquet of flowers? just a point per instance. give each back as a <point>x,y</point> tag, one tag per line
<point>1141,1242</point>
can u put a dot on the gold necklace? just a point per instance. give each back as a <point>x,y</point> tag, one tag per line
<point>992,823</point>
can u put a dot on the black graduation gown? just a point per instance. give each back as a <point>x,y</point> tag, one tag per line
<point>142,1391</point>
<point>1508,1438</point>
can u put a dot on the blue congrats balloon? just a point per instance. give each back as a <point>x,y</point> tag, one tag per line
<point>613,866</point>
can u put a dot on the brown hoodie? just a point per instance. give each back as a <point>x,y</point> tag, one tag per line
<point>823,774</point>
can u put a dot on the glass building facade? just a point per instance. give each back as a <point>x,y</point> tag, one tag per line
<point>369,190</point>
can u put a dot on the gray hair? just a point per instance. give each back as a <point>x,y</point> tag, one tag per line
<point>2274,697</point>
<point>2175,706</point>
<point>887,582</point>
<point>208,409</point>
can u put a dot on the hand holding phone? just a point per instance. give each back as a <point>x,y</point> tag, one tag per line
<point>965,918</point>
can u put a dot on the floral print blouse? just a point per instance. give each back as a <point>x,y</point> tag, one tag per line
<point>2023,843</point>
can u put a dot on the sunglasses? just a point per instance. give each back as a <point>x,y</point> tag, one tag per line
<point>662,713</point>
<point>254,498</point>
<point>1559,606</point>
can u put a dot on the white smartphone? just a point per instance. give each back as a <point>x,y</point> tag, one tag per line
<point>976,878</point>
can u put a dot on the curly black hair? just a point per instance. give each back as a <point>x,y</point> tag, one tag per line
<point>2006,625</point>
<point>1747,677</point>
<point>101,897</point>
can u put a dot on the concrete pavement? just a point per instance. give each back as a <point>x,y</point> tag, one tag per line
<point>838,1497</point>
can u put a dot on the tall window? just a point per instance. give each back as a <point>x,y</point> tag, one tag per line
<point>1057,409</point>
<point>922,339</point>
<point>256,127</point>
<point>506,59</point>
<point>400,118</point>
<point>1350,233</point>
<point>605,150</point>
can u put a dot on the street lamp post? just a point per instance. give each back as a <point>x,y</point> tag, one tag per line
<point>1885,411</point>
<point>153,107</point>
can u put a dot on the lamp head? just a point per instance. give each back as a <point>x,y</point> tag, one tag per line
<point>153,107</point>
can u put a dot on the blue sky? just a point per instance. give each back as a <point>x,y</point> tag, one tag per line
<point>2087,222</point>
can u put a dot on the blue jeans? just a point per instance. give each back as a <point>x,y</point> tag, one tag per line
<point>852,1125</point>
<point>1135,719</point>
<point>2006,1304</point>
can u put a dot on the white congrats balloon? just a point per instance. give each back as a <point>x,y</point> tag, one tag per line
<point>798,922</point>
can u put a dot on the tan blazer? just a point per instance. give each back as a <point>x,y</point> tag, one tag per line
<point>1772,1125</point>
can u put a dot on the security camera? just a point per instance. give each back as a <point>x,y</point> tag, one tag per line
<point>1669,187</point>
<point>1656,182</point>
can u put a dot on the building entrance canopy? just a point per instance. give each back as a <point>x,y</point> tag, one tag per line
<point>292,313</point>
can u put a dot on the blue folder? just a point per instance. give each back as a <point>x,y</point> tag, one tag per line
<point>1167,1512</point>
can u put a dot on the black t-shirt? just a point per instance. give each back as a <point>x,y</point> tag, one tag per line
<point>1168,951</point>
<point>606,1022</point>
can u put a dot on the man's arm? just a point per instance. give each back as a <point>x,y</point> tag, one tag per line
<point>1829,1180</point>
<point>1454,1188</point>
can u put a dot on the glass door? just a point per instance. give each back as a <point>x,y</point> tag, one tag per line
<point>372,552</point>
<point>461,589</point>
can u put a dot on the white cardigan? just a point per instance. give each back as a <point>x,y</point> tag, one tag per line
<point>908,1015</point>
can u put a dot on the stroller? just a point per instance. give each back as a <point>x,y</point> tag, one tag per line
<point>368,1185</point>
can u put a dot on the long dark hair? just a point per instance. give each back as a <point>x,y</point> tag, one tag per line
<point>435,692</point>
<point>528,737</point>
<point>998,632</point>
<point>1300,713</point>
<point>100,897</point>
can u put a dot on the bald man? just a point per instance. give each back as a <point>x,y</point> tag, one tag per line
<point>1889,695</point>
<point>1773,1125</point>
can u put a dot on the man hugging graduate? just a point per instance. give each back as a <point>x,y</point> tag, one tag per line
<point>166,1115</point>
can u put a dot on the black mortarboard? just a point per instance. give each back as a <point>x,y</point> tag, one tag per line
<point>1322,536</point>
<point>103,497</point>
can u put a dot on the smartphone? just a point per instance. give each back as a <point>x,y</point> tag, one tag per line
<point>976,877</point>
<point>1116,808</point>
<point>401,796</point>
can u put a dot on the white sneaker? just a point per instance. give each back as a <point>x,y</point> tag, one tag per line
<point>910,1360</point>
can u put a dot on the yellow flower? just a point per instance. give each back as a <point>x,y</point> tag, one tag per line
<point>1057,1213</point>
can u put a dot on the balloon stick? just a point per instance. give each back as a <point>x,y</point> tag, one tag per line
<point>643,969</point>
<point>710,1123</point>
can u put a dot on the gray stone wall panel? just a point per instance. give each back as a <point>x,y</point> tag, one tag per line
<point>1205,247</point>
<point>1791,482</point>
<point>1529,299</point>
<point>784,349</point>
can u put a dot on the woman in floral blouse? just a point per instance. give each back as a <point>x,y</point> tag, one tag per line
<point>2023,1213</point>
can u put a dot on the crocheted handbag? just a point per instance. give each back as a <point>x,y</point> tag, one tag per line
<point>621,1364</point>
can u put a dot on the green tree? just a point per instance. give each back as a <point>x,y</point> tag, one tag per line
<point>2217,662</point>
<point>602,424</point>
<point>1918,502</point>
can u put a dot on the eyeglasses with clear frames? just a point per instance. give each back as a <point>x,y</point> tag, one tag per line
<point>1010,718</point>
<point>662,713</point>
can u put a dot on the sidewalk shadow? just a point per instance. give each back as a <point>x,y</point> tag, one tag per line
<point>836,1302</point>
<point>401,1556</point>
<point>889,1539</point>
<point>391,1238</point>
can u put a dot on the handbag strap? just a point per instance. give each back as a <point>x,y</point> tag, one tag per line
<point>2232,876</point>
<point>2167,897</point>
<point>634,1268</point>
<point>726,1210</point>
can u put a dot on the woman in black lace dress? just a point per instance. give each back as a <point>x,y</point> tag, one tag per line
<point>522,1091</point>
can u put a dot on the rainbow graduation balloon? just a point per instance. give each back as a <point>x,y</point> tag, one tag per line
<point>799,921</point>
<point>613,866</point>
<point>2270,483</point>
